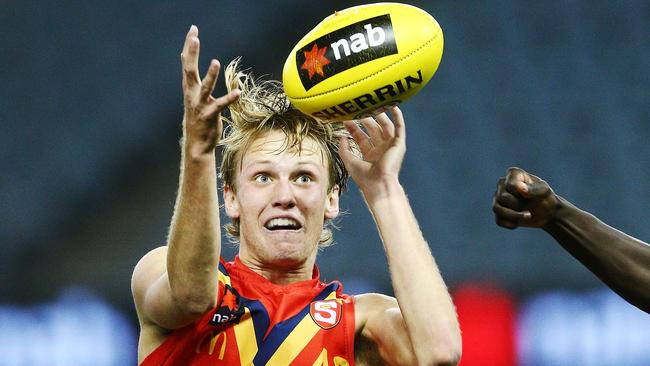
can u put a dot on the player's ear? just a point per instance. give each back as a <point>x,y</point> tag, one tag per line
<point>332,203</point>
<point>230,202</point>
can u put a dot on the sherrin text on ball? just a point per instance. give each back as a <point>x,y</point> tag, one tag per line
<point>361,59</point>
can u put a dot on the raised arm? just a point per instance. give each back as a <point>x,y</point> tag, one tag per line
<point>421,327</point>
<point>619,260</point>
<point>173,286</point>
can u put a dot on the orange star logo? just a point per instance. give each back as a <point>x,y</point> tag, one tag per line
<point>230,301</point>
<point>315,60</point>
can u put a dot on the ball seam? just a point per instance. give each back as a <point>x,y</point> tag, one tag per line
<point>371,75</point>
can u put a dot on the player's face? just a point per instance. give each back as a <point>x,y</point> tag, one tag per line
<point>281,201</point>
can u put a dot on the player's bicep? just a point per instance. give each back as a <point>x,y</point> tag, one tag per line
<point>152,293</point>
<point>382,333</point>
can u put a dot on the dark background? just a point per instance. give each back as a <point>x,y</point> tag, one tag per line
<point>91,106</point>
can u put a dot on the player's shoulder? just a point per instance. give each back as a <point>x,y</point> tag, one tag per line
<point>158,252</point>
<point>372,311</point>
<point>152,259</point>
<point>374,300</point>
<point>369,304</point>
<point>148,268</point>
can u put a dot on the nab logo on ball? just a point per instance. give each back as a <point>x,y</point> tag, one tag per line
<point>325,313</point>
<point>345,48</point>
<point>360,60</point>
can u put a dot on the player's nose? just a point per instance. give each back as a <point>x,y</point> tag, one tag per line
<point>284,195</point>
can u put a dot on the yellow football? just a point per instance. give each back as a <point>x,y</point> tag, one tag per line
<point>361,59</point>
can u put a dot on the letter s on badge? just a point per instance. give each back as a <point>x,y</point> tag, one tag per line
<point>325,313</point>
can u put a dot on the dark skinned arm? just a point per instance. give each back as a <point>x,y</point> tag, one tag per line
<point>621,261</point>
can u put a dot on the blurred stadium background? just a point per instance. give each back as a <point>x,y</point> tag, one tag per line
<point>90,111</point>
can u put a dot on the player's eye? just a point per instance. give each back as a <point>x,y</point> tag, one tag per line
<point>262,178</point>
<point>304,178</point>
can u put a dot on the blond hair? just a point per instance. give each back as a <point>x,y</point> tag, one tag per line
<point>263,107</point>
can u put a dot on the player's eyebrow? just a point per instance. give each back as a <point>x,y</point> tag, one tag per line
<point>257,163</point>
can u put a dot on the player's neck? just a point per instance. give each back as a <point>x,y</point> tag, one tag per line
<point>281,273</point>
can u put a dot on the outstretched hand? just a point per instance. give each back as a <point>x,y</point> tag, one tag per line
<point>201,121</point>
<point>522,199</point>
<point>382,146</point>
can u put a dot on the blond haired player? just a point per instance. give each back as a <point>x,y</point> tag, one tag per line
<point>282,174</point>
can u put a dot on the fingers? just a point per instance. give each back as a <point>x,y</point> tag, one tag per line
<point>507,217</point>
<point>508,208</point>
<point>526,185</point>
<point>537,189</point>
<point>199,92</point>
<point>381,128</point>
<point>190,58</point>
<point>388,129</point>
<point>210,80</point>
<point>191,33</point>
<point>398,120</point>
<point>506,199</point>
<point>523,199</point>
<point>346,154</point>
<point>219,104</point>
<point>373,129</point>
<point>515,181</point>
<point>387,126</point>
<point>190,37</point>
<point>362,139</point>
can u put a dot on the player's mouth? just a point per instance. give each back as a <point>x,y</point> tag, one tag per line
<point>282,223</point>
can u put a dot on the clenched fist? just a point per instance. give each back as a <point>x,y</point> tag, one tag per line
<point>522,199</point>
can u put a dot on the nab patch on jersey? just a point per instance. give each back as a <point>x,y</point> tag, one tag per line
<point>326,313</point>
<point>344,49</point>
<point>229,310</point>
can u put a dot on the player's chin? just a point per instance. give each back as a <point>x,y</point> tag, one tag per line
<point>292,248</point>
<point>289,257</point>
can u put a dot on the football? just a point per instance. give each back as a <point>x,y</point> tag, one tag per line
<point>360,60</point>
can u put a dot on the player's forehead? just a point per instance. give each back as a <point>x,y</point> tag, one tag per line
<point>275,144</point>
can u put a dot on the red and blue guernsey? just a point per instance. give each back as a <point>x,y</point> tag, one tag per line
<point>260,323</point>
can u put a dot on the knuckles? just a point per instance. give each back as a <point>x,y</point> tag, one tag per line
<point>515,169</point>
<point>510,187</point>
